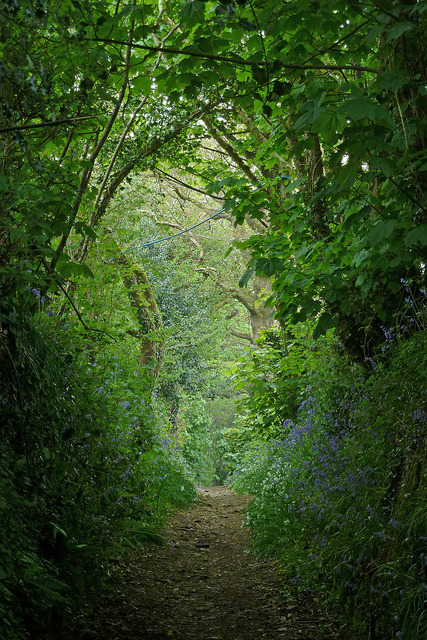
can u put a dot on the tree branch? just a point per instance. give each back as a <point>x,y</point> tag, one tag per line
<point>235,293</point>
<point>148,315</point>
<point>147,151</point>
<point>50,123</point>
<point>186,185</point>
<point>87,172</point>
<point>196,203</point>
<point>192,239</point>
<point>259,135</point>
<point>240,334</point>
<point>77,312</point>
<point>229,149</point>
<point>237,61</point>
<point>335,44</point>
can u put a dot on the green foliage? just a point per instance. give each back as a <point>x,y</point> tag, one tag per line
<point>231,442</point>
<point>187,299</point>
<point>222,411</point>
<point>198,445</point>
<point>85,471</point>
<point>341,492</point>
<point>272,376</point>
<point>339,147</point>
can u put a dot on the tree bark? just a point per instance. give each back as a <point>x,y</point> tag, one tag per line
<point>150,332</point>
<point>260,317</point>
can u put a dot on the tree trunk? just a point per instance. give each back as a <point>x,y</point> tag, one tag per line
<point>150,331</point>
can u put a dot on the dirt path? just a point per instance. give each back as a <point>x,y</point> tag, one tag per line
<point>204,585</point>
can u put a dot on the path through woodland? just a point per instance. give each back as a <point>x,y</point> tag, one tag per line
<point>204,584</point>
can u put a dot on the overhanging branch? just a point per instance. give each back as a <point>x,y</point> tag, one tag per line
<point>243,336</point>
<point>49,123</point>
<point>238,61</point>
<point>186,185</point>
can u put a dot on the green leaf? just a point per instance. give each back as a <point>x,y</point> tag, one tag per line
<point>142,83</point>
<point>384,164</point>
<point>142,11</point>
<point>330,126</point>
<point>381,231</point>
<point>325,322</point>
<point>383,117</point>
<point>360,256</point>
<point>311,111</point>
<point>391,80</point>
<point>4,185</point>
<point>193,12</point>
<point>360,279</point>
<point>269,267</point>
<point>246,277</point>
<point>398,29</point>
<point>417,235</point>
<point>357,108</point>
<point>306,248</point>
<point>84,229</point>
<point>68,269</point>
<point>58,530</point>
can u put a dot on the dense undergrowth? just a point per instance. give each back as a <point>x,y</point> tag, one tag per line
<point>87,469</point>
<point>340,476</point>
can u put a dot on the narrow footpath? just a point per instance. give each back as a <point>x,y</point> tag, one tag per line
<point>203,584</point>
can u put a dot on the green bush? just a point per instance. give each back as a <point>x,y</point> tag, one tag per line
<point>271,375</point>
<point>341,493</point>
<point>85,470</point>
<point>198,444</point>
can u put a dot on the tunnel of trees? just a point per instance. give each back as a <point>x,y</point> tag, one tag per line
<point>213,243</point>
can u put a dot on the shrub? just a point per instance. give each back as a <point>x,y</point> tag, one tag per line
<point>341,494</point>
<point>84,473</point>
<point>198,443</point>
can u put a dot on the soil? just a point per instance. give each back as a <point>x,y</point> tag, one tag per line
<point>204,584</point>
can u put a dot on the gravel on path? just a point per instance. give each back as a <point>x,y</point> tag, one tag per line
<point>204,584</point>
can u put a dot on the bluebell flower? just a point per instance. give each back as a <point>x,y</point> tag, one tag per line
<point>420,414</point>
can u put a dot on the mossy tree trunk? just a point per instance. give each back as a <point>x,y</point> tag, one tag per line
<point>150,324</point>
